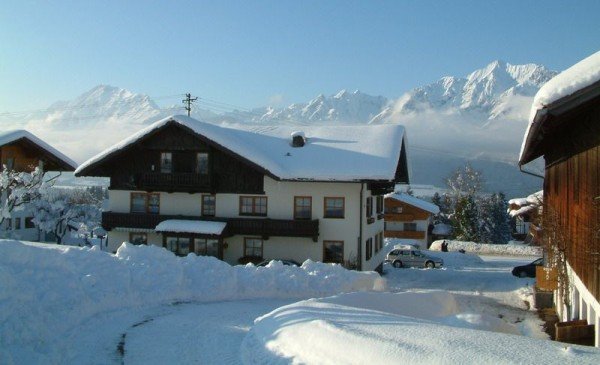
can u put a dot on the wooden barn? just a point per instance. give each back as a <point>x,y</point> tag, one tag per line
<point>565,130</point>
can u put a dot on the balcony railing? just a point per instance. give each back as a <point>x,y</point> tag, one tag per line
<point>405,234</point>
<point>263,227</point>
<point>183,182</point>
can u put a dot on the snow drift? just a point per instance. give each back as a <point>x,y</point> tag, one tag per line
<point>387,328</point>
<point>48,290</point>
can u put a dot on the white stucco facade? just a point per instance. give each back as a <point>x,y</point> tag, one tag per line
<point>280,205</point>
<point>16,227</point>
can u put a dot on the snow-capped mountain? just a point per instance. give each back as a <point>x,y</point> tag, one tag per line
<point>493,92</point>
<point>478,117</point>
<point>346,107</point>
<point>102,103</point>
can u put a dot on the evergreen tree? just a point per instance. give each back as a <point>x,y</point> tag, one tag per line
<point>494,222</point>
<point>465,219</point>
<point>445,204</point>
<point>499,214</point>
<point>486,223</point>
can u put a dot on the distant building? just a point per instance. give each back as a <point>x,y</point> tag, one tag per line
<point>525,212</point>
<point>22,151</point>
<point>242,195</point>
<point>408,217</point>
<point>565,131</point>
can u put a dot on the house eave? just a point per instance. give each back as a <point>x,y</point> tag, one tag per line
<point>549,117</point>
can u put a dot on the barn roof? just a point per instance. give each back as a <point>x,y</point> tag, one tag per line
<point>576,85</point>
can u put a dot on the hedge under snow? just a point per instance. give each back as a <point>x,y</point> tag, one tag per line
<point>488,248</point>
<point>48,290</point>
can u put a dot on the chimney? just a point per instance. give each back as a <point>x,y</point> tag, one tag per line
<point>298,139</point>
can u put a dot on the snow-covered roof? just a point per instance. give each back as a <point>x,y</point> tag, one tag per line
<point>579,76</point>
<point>188,226</point>
<point>520,206</point>
<point>415,202</point>
<point>331,153</point>
<point>14,135</point>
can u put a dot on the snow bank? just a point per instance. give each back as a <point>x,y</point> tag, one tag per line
<point>485,248</point>
<point>371,328</point>
<point>48,290</point>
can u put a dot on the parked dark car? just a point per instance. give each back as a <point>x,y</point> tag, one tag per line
<point>284,261</point>
<point>528,270</point>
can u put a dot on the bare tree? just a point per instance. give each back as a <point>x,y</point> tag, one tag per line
<point>555,241</point>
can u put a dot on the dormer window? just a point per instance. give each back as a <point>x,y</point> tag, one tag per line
<point>202,163</point>
<point>166,162</point>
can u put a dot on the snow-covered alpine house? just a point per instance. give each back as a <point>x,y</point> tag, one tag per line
<point>268,193</point>
<point>409,218</point>
<point>565,129</point>
<point>21,151</point>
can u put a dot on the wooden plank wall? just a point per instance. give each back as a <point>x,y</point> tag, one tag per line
<point>409,212</point>
<point>571,188</point>
<point>24,159</point>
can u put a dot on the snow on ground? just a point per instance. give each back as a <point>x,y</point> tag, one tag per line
<point>143,305</point>
<point>371,328</point>
<point>479,286</point>
<point>512,248</point>
<point>48,291</point>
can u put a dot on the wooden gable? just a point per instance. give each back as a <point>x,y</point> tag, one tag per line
<point>398,211</point>
<point>138,165</point>
<point>26,155</point>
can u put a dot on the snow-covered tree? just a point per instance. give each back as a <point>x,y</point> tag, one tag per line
<point>17,189</point>
<point>465,182</point>
<point>62,210</point>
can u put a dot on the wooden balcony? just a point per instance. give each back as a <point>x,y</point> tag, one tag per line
<point>264,227</point>
<point>399,217</point>
<point>175,182</point>
<point>405,234</point>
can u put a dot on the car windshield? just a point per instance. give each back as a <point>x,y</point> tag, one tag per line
<point>539,261</point>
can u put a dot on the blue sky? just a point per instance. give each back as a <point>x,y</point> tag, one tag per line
<point>252,53</point>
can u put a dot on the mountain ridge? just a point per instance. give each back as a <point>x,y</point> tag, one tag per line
<point>482,114</point>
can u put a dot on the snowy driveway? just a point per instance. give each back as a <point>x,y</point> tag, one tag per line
<point>207,333</point>
<point>213,332</point>
<point>482,285</point>
<point>185,333</point>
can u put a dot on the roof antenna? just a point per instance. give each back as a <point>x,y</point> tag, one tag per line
<point>189,100</point>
